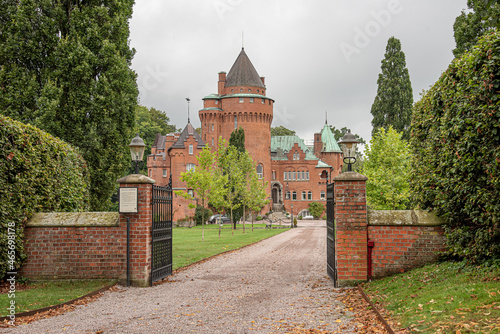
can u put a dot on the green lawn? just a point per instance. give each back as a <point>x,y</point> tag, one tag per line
<point>188,247</point>
<point>48,293</point>
<point>442,298</point>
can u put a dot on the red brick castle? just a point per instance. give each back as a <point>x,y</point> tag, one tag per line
<point>296,173</point>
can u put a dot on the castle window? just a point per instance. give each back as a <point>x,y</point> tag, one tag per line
<point>235,121</point>
<point>287,195</point>
<point>304,195</point>
<point>294,196</point>
<point>274,175</point>
<point>290,176</point>
<point>263,101</point>
<point>285,174</point>
<point>212,127</point>
<point>260,171</point>
<point>309,195</point>
<point>303,175</point>
<point>295,156</point>
<point>293,176</point>
<point>298,176</point>
<point>322,194</point>
<point>251,100</point>
<point>212,142</point>
<point>190,167</point>
<point>242,100</point>
<point>241,89</point>
<point>216,102</point>
<point>191,192</point>
<point>191,147</point>
<point>150,173</point>
<point>307,175</point>
<point>164,173</point>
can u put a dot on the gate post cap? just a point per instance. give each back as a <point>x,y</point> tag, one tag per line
<point>136,178</point>
<point>350,176</point>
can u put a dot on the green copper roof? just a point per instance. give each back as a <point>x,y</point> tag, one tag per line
<point>212,108</point>
<point>322,164</point>
<point>329,142</point>
<point>212,96</point>
<point>281,145</point>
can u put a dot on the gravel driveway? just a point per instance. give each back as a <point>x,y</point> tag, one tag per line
<point>275,286</point>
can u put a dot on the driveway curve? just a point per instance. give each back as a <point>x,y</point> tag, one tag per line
<point>275,286</point>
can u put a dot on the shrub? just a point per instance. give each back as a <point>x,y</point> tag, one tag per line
<point>38,173</point>
<point>201,214</point>
<point>316,209</point>
<point>258,218</point>
<point>456,152</point>
<point>298,217</point>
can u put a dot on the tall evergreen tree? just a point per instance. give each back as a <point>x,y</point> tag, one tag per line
<point>237,139</point>
<point>65,67</point>
<point>394,100</point>
<point>468,27</point>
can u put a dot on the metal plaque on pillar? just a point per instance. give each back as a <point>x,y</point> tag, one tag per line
<point>128,200</point>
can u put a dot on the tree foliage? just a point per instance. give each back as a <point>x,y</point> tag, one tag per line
<point>394,100</point>
<point>65,67</point>
<point>282,131</point>
<point>38,173</point>
<point>470,26</point>
<point>316,209</point>
<point>456,151</point>
<point>237,139</point>
<point>387,168</point>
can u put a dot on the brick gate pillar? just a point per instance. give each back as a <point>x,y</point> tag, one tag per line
<point>351,228</point>
<point>140,228</point>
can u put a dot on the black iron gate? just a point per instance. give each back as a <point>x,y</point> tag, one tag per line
<point>161,244</point>
<point>330,233</point>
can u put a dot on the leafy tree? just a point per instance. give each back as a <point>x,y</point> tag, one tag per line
<point>316,209</point>
<point>456,152</point>
<point>65,67</point>
<point>201,214</point>
<point>394,100</point>
<point>282,131</point>
<point>468,27</point>
<point>256,194</point>
<point>237,139</point>
<point>148,123</point>
<point>387,169</point>
<point>204,181</point>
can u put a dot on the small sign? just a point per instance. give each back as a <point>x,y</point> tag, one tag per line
<point>128,200</point>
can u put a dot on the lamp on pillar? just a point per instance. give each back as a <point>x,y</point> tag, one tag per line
<point>349,144</point>
<point>137,148</point>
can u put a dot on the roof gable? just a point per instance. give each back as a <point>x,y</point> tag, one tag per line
<point>328,139</point>
<point>283,144</point>
<point>189,130</point>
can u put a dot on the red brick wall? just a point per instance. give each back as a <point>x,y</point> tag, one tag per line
<point>75,252</point>
<point>91,252</point>
<point>400,248</point>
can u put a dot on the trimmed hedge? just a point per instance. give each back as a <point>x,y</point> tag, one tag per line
<point>456,152</point>
<point>38,173</point>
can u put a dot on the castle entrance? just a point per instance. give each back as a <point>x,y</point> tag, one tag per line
<point>277,197</point>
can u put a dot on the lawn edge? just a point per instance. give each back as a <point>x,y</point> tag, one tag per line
<point>53,307</point>
<point>379,316</point>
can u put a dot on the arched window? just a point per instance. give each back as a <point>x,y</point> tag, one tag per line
<point>289,176</point>
<point>304,195</point>
<point>309,195</point>
<point>190,167</point>
<point>322,194</point>
<point>260,171</point>
<point>287,195</point>
<point>293,176</point>
<point>298,176</point>
<point>304,175</point>
<point>285,174</point>
<point>307,175</point>
<point>294,196</point>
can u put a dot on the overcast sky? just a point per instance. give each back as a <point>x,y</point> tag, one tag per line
<point>317,56</point>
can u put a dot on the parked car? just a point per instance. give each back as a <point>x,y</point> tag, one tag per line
<point>308,217</point>
<point>218,218</point>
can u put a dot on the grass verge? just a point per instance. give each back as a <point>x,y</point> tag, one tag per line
<point>49,293</point>
<point>188,247</point>
<point>448,297</point>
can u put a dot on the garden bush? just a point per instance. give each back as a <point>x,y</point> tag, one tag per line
<point>201,214</point>
<point>38,173</point>
<point>455,142</point>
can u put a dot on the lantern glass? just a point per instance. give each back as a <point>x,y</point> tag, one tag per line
<point>137,148</point>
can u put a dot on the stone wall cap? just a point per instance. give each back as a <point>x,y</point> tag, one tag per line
<point>136,178</point>
<point>74,219</point>
<point>350,176</point>
<point>403,218</point>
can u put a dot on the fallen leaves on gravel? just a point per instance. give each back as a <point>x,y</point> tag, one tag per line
<point>22,320</point>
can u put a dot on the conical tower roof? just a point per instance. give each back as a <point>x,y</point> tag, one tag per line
<point>242,73</point>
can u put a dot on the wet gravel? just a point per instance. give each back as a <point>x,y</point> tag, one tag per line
<point>276,286</point>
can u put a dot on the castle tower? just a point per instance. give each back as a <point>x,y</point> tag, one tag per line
<point>241,101</point>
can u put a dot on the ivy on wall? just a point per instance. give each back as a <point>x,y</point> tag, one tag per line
<point>38,173</point>
<point>456,151</point>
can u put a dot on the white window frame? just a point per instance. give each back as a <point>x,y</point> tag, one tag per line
<point>309,195</point>
<point>164,173</point>
<point>261,174</point>
<point>242,99</point>
<point>251,100</point>
<point>191,149</point>
<point>285,174</point>
<point>190,167</point>
<point>304,195</point>
<point>322,195</point>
